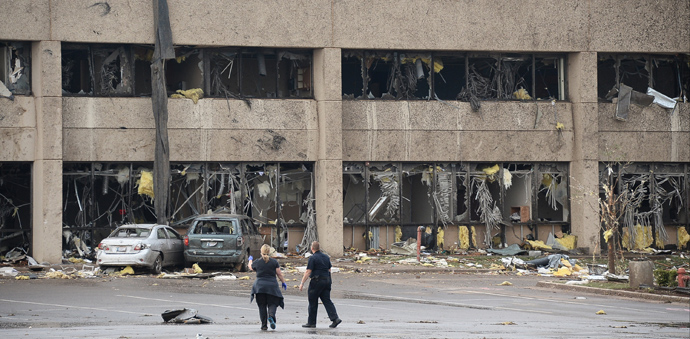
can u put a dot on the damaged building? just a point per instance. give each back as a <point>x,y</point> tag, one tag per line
<point>350,122</point>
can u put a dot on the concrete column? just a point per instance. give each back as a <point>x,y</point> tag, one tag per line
<point>329,169</point>
<point>46,84</point>
<point>584,168</point>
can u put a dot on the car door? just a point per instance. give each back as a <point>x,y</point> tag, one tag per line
<point>164,245</point>
<point>176,246</point>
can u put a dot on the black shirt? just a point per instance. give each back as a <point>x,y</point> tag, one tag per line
<point>319,264</point>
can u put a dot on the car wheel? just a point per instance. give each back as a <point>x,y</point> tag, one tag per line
<point>157,265</point>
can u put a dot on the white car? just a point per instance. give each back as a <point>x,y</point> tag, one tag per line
<point>141,245</point>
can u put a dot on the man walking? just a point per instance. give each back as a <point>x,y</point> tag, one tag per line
<point>319,270</point>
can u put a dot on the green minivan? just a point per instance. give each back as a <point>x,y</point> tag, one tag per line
<point>222,239</point>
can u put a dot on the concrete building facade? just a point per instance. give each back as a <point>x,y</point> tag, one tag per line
<point>355,120</point>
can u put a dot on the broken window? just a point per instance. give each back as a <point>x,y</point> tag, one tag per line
<point>15,66</point>
<point>99,70</point>
<point>455,76</point>
<point>76,70</point>
<point>294,74</point>
<point>552,193</point>
<point>15,206</point>
<point>122,70</point>
<point>655,205</point>
<point>142,70</point>
<point>450,80</point>
<point>352,74</point>
<point>225,79</point>
<point>259,73</point>
<point>668,75</point>
<point>99,197</point>
<point>186,71</point>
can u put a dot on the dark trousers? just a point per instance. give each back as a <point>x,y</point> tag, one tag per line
<point>267,306</point>
<point>320,288</point>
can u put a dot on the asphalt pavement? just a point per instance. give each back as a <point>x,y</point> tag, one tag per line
<point>374,300</point>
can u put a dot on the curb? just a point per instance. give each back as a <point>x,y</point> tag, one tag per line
<point>619,293</point>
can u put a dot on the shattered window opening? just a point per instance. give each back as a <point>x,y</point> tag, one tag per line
<point>15,67</point>
<point>657,203</point>
<point>186,71</point>
<point>125,70</point>
<point>352,74</point>
<point>15,206</point>
<point>403,75</point>
<point>98,197</point>
<point>667,74</point>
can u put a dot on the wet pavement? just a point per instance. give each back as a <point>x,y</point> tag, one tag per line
<point>380,301</point>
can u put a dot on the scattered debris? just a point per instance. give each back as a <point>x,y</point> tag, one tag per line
<point>601,312</point>
<point>185,316</point>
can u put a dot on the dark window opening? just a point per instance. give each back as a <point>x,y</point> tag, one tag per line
<point>665,74</point>
<point>113,74</point>
<point>259,73</point>
<point>15,207</point>
<point>453,76</point>
<point>76,70</point>
<point>15,66</point>
<point>142,70</point>
<point>352,74</point>
<point>450,80</point>
<point>225,80</point>
<point>185,71</point>
<point>548,81</point>
<point>294,74</point>
<point>379,68</point>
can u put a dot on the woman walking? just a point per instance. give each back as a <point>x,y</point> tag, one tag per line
<point>265,289</point>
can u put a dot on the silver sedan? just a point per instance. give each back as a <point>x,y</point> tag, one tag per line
<point>150,246</point>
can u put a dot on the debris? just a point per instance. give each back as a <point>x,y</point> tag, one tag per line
<point>505,283</point>
<point>601,312</point>
<point>361,322</point>
<point>408,247</point>
<point>194,93</point>
<point>127,270</point>
<point>8,272</point>
<point>660,99</point>
<point>4,92</point>
<point>57,275</point>
<point>246,277</point>
<point>225,277</point>
<point>513,249</point>
<point>508,323</point>
<point>522,94</point>
<point>145,184</point>
<point>185,316</point>
<point>22,277</point>
<point>197,269</point>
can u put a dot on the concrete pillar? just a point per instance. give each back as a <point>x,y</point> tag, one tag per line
<point>46,84</point>
<point>329,168</point>
<point>584,167</point>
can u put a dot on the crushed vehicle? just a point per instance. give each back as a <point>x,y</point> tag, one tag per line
<point>222,239</point>
<point>150,246</point>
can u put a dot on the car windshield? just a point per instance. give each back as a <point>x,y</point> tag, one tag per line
<point>130,232</point>
<point>216,227</point>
